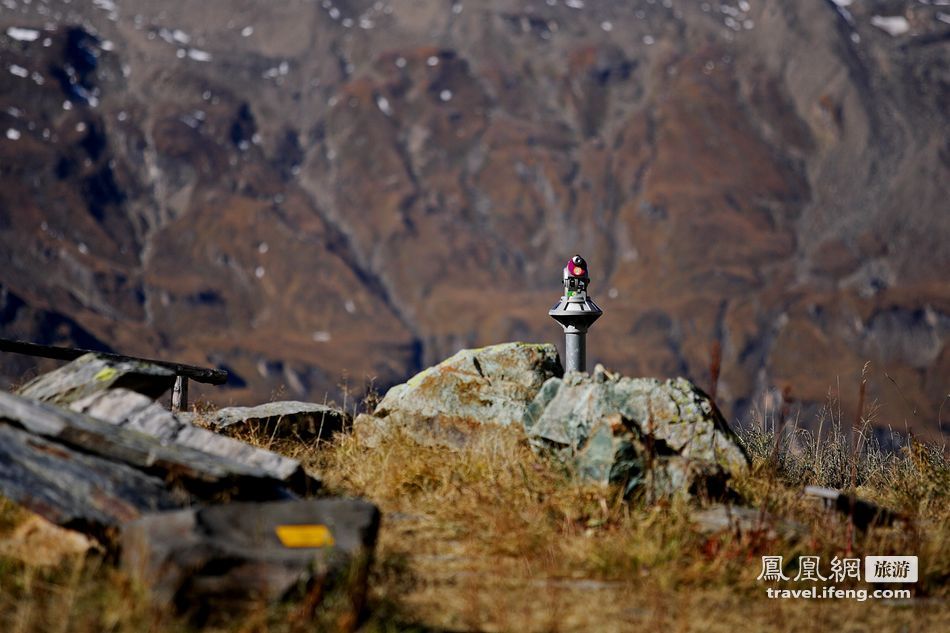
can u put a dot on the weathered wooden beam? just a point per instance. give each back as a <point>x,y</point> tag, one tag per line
<point>201,374</point>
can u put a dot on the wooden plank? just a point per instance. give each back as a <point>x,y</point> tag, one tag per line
<point>201,374</point>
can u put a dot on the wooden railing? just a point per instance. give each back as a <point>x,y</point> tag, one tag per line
<point>182,372</point>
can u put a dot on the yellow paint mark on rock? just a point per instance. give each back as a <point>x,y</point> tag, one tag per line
<point>106,373</point>
<point>304,535</point>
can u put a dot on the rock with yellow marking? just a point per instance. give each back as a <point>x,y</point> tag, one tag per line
<point>219,560</point>
<point>91,374</point>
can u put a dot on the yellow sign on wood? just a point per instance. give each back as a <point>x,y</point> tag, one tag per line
<point>304,535</point>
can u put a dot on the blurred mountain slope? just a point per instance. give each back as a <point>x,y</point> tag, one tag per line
<point>296,190</point>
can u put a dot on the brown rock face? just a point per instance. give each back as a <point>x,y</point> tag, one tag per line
<point>300,192</point>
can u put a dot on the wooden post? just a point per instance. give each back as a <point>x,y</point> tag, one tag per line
<point>180,394</point>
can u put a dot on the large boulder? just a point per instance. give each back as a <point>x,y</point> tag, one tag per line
<point>665,436</point>
<point>444,403</point>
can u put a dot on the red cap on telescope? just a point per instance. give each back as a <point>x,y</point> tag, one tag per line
<point>576,266</point>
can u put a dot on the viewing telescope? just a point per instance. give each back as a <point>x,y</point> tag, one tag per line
<point>575,312</point>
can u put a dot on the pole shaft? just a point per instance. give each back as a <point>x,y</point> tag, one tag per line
<point>575,351</point>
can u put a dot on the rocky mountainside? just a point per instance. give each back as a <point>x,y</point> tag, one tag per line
<point>305,191</point>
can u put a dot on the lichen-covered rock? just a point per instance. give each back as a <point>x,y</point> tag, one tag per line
<point>666,436</point>
<point>90,374</point>
<point>493,384</point>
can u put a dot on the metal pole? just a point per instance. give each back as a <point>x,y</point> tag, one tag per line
<point>180,394</point>
<point>575,350</point>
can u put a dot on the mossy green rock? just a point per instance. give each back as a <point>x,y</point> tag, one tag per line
<point>664,435</point>
<point>492,384</point>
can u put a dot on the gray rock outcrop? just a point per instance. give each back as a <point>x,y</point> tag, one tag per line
<point>288,418</point>
<point>492,384</point>
<point>666,436</point>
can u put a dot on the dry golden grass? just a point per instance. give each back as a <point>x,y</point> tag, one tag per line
<point>496,538</point>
